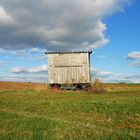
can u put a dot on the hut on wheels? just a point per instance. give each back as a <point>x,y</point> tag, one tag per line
<point>69,70</point>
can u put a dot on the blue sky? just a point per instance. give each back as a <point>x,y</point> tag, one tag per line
<point>111,29</point>
<point>124,33</point>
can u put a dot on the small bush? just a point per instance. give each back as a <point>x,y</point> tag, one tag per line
<point>97,87</point>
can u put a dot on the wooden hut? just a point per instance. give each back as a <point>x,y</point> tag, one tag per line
<point>65,68</point>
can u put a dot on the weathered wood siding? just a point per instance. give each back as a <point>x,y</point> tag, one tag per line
<point>68,68</point>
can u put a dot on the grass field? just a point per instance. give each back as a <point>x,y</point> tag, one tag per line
<point>33,113</point>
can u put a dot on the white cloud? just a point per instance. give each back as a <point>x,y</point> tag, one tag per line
<point>2,50</point>
<point>12,52</point>
<point>4,17</point>
<point>20,70</point>
<point>26,54</point>
<point>32,74</point>
<point>36,50</point>
<point>107,76</point>
<point>55,25</point>
<point>3,63</point>
<point>136,63</point>
<point>29,78</point>
<point>134,55</point>
<point>130,78</point>
<point>31,58</point>
<point>101,73</point>
<point>19,52</point>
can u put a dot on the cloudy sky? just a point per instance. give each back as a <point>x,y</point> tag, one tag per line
<point>110,28</point>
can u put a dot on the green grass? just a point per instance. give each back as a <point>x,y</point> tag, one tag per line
<point>36,115</point>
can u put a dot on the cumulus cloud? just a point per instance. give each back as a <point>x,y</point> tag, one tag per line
<point>136,64</point>
<point>101,73</point>
<point>130,78</point>
<point>55,25</point>
<point>4,17</point>
<point>134,55</point>
<point>107,76</point>
<point>32,58</point>
<point>12,52</point>
<point>36,50</point>
<point>3,63</point>
<point>33,74</point>
<point>29,78</point>
<point>20,70</point>
<point>26,54</point>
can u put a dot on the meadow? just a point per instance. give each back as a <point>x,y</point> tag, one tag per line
<point>33,112</point>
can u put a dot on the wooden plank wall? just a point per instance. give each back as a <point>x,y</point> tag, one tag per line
<point>68,68</point>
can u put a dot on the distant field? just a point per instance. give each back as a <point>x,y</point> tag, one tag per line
<point>42,86</point>
<point>21,86</point>
<point>31,111</point>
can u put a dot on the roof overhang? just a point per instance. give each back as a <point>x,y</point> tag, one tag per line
<point>68,52</point>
